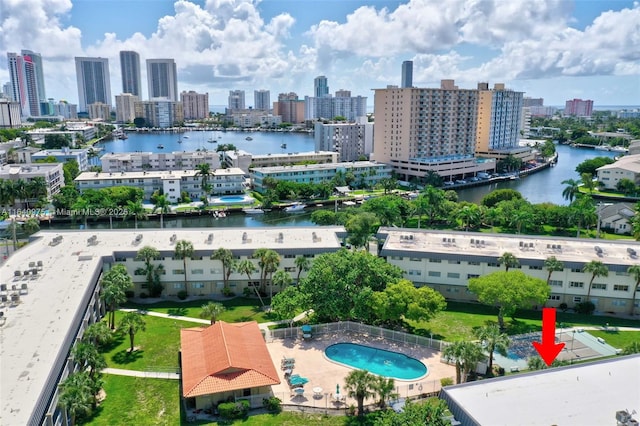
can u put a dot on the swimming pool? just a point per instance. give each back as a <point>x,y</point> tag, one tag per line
<point>232,199</point>
<point>376,361</point>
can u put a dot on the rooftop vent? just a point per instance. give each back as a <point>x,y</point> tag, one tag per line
<point>598,250</point>
<point>210,238</point>
<point>138,238</point>
<point>173,238</point>
<point>631,252</point>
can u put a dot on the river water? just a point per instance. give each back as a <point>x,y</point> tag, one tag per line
<point>544,186</point>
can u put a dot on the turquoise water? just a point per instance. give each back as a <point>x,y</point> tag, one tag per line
<point>376,361</point>
<point>232,199</point>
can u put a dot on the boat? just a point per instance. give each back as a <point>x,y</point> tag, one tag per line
<point>160,146</point>
<point>253,211</point>
<point>603,148</point>
<point>295,207</point>
<point>122,136</point>
<point>211,140</point>
<point>185,137</point>
<point>283,146</point>
<point>179,140</point>
<point>248,138</point>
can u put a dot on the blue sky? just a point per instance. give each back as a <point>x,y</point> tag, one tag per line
<point>555,49</point>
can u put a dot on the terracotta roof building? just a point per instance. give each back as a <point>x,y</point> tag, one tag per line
<point>225,362</point>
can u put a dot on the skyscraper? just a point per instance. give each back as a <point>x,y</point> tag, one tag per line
<point>130,69</point>
<point>94,84</point>
<point>320,86</point>
<point>236,99</point>
<point>195,105</point>
<point>162,78</point>
<point>578,108</point>
<point>262,99</point>
<point>25,71</point>
<point>499,119</point>
<point>407,74</point>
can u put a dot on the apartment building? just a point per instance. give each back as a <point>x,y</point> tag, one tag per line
<point>290,108</point>
<point>9,114</point>
<point>195,105</point>
<point>171,182</point>
<point>627,167</point>
<point>63,155</point>
<point>126,107</point>
<point>51,172</point>
<point>158,161</point>
<point>578,108</point>
<point>245,160</point>
<point>351,141</point>
<point>99,111</point>
<point>161,113</point>
<point>367,173</point>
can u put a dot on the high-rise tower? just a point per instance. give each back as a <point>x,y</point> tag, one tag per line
<point>261,99</point>
<point>236,99</point>
<point>25,72</point>
<point>130,69</point>
<point>94,84</point>
<point>162,78</point>
<point>320,86</point>
<point>407,74</point>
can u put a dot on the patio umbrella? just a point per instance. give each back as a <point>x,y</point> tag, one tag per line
<point>337,389</point>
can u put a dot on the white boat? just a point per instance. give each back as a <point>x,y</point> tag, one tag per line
<point>212,141</point>
<point>248,138</point>
<point>295,207</point>
<point>253,211</point>
<point>186,137</point>
<point>603,148</point>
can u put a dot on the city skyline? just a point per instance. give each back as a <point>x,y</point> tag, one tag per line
<point>554,50</point>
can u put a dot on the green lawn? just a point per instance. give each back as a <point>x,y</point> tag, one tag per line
<point>158,345</point>
<point>238,309</point>
<point>459,319</point>
<point>137,401</point>
<point>617,339</point>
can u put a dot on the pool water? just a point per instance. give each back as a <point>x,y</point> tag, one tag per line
<point>232,199</point>
<point>376,361</point>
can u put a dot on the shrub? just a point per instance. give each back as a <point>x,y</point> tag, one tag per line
<point>129,294</point>
<point>182,294</point>
<point>563,307</point>
<point>143,295</point>
<point>272,404</point>
<point>227,292</point>
<point>585,308</point>
<point>234,410</point>
<point>446,381</point>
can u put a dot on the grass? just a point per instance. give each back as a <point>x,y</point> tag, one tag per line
<point>158,345</point>
<point>238,309</point>
<point>458,321</point>
<point>138,401</point>
<point>617,339</point>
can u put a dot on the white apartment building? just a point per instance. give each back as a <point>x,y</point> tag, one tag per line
<point>99,111</point>
<point>329,107</point>
<point>445,261</point>
<point>9,114</point>
<point>171,182</point>
<point>63,155</point>
<point>126,107</point>
<point>195,105</point>
<point>51,172</point>
<point>158,161</point>
<point>253,118</point>
<point>66,110</point>
<point>236,99</point>
<point>245,160</point>
<point>162,79</point>
<point>350,141</point>
<point>366,173</point>
<point>160,112</point>
<point>627,167</point>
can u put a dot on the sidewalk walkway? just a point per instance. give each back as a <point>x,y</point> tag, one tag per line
<point>144,374</point>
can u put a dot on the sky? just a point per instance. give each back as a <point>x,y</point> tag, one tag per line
<point>554,49</point>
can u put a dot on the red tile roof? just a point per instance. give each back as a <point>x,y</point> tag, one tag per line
<point>225,357</point>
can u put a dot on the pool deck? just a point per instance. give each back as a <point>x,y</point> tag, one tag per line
<point>310,362</point>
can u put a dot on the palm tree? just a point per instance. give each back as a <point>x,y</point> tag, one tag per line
<point>97,334</point>
<point>115,283</point>
<point>131,323</point>
<point>151,271</point>
<point>36,188</point>
<point>587,181</point>
<point>162,204</point>
<point>135,210</point>
<point>86,356</point>
<point>634,271</point>
<point>552,265</point>
<point>508,260</point>
<point>247,268</point>
<point>495,341</point>
<point>281,278</point>
<point>183,250</point>
<point>303,264</point>
<point>571,191</point>
<point>211,311</point>
<point>521,217</point>
<point>632,348</point>
<point>204,170</point>
<point>384,387</point>
<point>359,385</point>
<point>469,215</point>
<point>225,256</point>
<point>76,396</point>
<point>268,261</point>
<point>465,355</point>
<point>31,226</point>
<point>596,269</point>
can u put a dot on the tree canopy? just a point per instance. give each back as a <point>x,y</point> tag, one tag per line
<point>402,300</point>
<point>591,165</point>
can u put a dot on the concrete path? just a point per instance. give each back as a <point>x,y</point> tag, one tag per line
<point>144,374</point>
<point>175,317</point>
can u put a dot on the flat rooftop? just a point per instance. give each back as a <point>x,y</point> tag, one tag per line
<point>586,394</point>
<point>151,174</point>
<point>35,329</point>
<point>612,252</point>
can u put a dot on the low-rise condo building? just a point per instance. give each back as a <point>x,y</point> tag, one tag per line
<point>157,161</point>
<point>627,167</point>
<point>52,174</point>
<point>63,155</point>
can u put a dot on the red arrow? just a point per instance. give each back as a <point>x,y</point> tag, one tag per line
<point>548,349</point>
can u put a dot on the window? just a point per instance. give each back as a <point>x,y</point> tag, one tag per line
<point>120,259</point>
<point>308,256</point>
<point>576,284</point>
<point>435,261</point>
<point>576,270</point>
<point>493,264</point>
<point>454,262</point>
<point>434,273</point>
<point>469,276</point>
<point>140,271</point>
<point>215,271</point>
<point>177,286</point>
<point>197,285</point>
<point>619,303</point>
<point>554,297</point>
<point>598,286</point>
<point>535,268</point>
<point>414,272</point>
<point>415,259</point>
<point>289,256</point>
<point>474,263</point>
<point>619,287</point>
<point>453,275</point>
<point>178,272</point>
<point>197,271</point>
<point>622,273</point>
<point>577,299</point>
<point>555,283</point>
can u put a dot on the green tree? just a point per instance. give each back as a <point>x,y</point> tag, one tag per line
<point>184,250</point>
<point>402,300</point>
<point>152,272</point>
<point>388,184</point>
<point>302,264</point>
<point>494,197</point>
<point>587,182</point>
<point>76,396</point>
<point>162,205</point>
<point>64,199</point>
<point>225,256</point>
<point>465,355</point>
<point>31,226</point>
<point>132,323</point>
<point>87,356</point>
<point>70,170</point>
<point>246,267</point>
<point>509,260</point>
<point>98,334</point>
<point>281,279</point>
<point>495,341</point>
<point>56,140</point>
<point>360,384</point>
<point>286,304</point>
<point>360,228</point>
<point>136,210</point>
<point>469,214</point>
<point>596,269</point>
<point>591,165</point>
<point>323,217</point>
<point>204,171</point>
<point>551,264</point>
<point>268,262</point>
<point>626,186</point>
<point>431,201</point>
<point>509,291</point>
<point>632,348</point>
<point>634,271</point>
<point>571,190</point>
<point>115,282</point>
<point>431,413</point>
<point>211,311</point>
<point>385,388</point>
